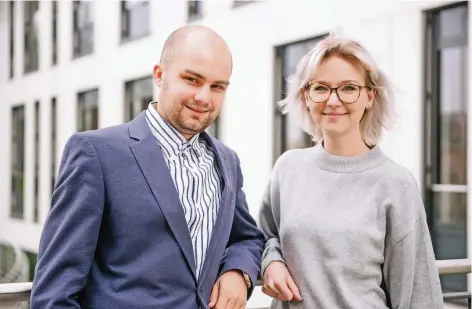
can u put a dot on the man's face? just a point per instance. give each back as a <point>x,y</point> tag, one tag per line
<point>193,86</point>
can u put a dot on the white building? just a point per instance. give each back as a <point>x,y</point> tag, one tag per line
<point>67,66</point>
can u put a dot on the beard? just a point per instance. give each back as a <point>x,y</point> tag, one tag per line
<point>191,124</point>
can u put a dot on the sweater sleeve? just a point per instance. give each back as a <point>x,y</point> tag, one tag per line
<point>410,271</point>
<point>269,223</point>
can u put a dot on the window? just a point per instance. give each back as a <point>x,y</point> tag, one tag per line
<point>11,28</point>
<point>194,9</point>
<point>17,161</point>
<point>54,32</point>
<point>31,32</point>
<point>53,143</point>
<point>36,160</point>
<point>445,152</point>
<point>138,95</point>
<point>87,113</point>
<point>287,130</point>
<point>134,19</point>
<point>83,28</point>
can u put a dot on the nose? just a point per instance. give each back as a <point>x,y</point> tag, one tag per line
<point>333,99</point>
<point>203,95</point>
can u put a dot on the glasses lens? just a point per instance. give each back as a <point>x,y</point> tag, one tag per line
<point>318,93</point>
<point>349,93</point>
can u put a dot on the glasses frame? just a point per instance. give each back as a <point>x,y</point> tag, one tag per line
<point>335,89</point>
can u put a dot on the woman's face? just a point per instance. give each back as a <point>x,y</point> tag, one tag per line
<point>338,112</point>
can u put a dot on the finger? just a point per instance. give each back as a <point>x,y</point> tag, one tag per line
<point>231,304</point>
<point>214,295</point>
<point>270,290</point>
<point>285,293</point>
<point>241,304</point>
<point>222,300</point>
<point>294,288</point>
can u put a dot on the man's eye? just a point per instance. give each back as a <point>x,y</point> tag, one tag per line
<point>191,79</point>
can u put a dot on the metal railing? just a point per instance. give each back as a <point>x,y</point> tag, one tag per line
<point>14,293</point>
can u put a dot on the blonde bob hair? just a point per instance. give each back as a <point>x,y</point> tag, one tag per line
<point>374,119</point>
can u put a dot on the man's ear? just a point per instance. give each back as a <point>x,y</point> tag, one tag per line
<point>158,73</point>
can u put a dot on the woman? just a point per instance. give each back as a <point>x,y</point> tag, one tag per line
<point>345,225</point>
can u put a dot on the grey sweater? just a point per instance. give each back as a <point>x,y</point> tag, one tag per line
<point>343,225</point>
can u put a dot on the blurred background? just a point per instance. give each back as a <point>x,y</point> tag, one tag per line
<point>68,66</point>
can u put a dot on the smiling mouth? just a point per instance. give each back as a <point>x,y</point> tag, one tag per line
<point>334,114</point>
<point>197,110</point>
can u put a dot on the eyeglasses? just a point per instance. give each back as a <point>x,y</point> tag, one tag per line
<point>347,93</point>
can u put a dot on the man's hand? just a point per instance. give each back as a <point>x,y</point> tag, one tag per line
<point>278,283</point>
<point>229,291</point>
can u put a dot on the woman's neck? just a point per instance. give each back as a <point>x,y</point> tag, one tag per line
<point>348,145</point>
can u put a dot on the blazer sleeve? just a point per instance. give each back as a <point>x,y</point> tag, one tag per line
<point>246,242</point>
<point>70,233</point>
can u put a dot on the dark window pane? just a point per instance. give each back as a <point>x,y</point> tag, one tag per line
<point>17,162</point>
<point>36,160</point>
<point>11,25</point>
<point>452,25</point>
<point>53,143</point>
<point>87,110</point>
<point>194,8</point>
<point>453,116</point>
<point>289,134</point>
<point>134,19</point>
<point>138,95</point>
<point>83,27</point>
<point>54,32</point>
<point>31,31</point>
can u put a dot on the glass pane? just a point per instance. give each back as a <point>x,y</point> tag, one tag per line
<point>138,95</point>
<point>450,242</point>
<point>453,116</point>
<point>139,20</point>
<point>17,161</point>
<point>452,24</point>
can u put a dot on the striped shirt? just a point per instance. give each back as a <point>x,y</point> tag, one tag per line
<point>196,177</point>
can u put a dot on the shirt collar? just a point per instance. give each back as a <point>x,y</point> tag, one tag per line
<point>167,136</point>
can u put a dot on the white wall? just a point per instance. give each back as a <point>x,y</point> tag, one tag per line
<point>391,30</point>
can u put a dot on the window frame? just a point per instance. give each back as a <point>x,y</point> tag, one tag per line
<point>431,151</point>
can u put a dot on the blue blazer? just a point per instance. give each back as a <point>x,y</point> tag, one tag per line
<point>116,235</point>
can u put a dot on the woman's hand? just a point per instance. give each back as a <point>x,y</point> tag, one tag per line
<point>278,283</point>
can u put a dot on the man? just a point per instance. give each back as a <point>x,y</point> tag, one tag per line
<point>151,214</point>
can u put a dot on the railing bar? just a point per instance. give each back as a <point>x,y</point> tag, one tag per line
<point>449,188</point>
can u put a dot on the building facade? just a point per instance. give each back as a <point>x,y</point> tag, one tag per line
<point>68,66</point>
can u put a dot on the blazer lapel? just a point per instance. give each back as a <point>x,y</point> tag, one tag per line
<point>152,163</point>
<point>222,161</point>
